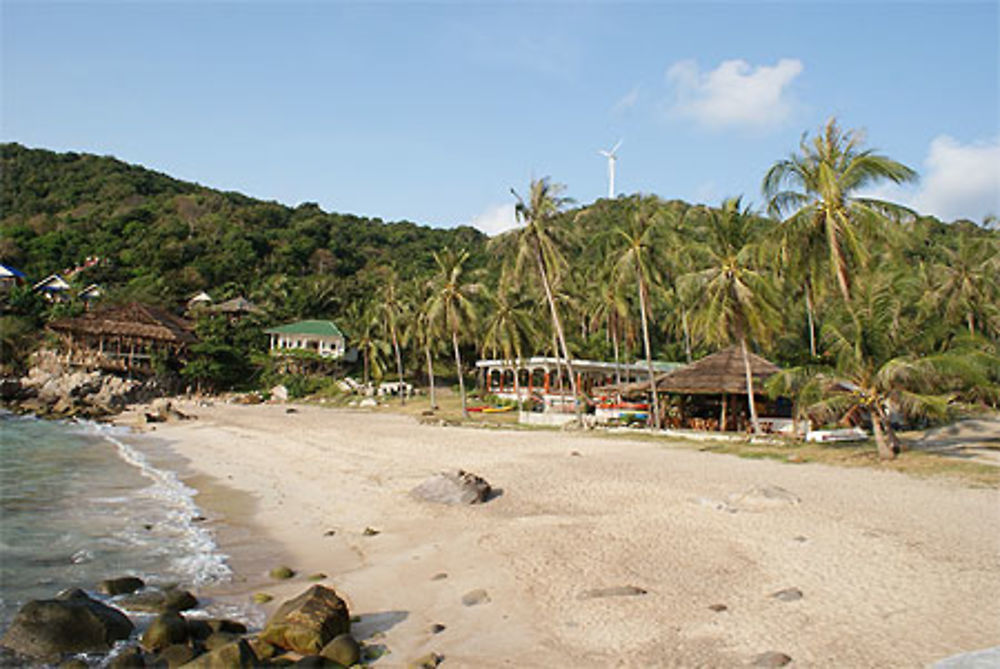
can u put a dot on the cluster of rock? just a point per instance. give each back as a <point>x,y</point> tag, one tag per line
<point>52,389</point>
<point>312,629</point>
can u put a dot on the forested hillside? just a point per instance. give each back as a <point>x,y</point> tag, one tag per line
<point>160,239</point>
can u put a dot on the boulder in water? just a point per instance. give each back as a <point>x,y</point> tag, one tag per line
<point>308,622</point>
<point>73,623</point>
<point>121,586</point>
<point>454,487</point>
<point>235,655</point>
<point>159,601</point>
<point>168,629</point>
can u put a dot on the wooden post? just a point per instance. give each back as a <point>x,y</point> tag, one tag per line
<point>722,422</point>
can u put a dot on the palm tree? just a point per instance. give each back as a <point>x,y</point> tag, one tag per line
<point>819,187</point>
<point>635,260</point>
<point>508,328</point>
<point>608,306</point>
<point>423,331</point>
<point>537,245</point>
<point>393,310</point>
<point>737,299</point>
<point>451,304</point>
<point>364,321</point>
<point>967,280</point>
<point>870,378</point>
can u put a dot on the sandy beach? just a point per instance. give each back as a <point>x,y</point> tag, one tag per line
<point>599,552</point>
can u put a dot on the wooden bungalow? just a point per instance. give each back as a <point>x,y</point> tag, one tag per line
<point>701,395</point>
<point>124,337</point>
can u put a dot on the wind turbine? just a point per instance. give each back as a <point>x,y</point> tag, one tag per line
<point>612,157</point>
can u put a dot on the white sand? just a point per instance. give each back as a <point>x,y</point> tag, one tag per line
<point>895,571</point>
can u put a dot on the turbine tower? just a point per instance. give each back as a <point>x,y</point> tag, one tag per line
<point>612,157</point>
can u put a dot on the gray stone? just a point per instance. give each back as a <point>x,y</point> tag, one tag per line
<point>788,595</point>
<point>176,655</point>
<point>159,601</point>
<point>343,649</point>
<point>475,597</point>
<point>121,586</point>
<point>308,622</point>
<point>168,629</point>
<point>238,654</point>
<point>771,658</point>
<point>455,487</point>
<point>73,623</point>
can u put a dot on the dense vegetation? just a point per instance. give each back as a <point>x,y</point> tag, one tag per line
<point>866,303</point>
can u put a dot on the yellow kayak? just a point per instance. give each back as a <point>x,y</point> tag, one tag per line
<point>498,409</point>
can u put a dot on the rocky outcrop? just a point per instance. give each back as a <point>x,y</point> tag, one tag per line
<point>72,623</point>
<point>52,389</point>
<point>455,487</point>
<point>308,622</point>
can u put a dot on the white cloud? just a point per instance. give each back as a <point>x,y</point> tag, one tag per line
<point>627,101</point>
<point>958,181</point>
<point>495,219</point>
<point>734,94</point>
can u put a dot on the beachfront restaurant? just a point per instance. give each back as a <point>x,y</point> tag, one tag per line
<point>711,395</point>
<point>546,380</point>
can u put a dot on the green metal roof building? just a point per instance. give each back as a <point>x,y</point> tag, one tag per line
<point>322,337</point>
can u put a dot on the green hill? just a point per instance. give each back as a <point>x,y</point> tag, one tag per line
<point>162,239</point>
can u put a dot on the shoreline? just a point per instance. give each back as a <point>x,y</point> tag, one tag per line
<point>893,571</point>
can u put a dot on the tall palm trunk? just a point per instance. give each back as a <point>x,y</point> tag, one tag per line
<point>430,375</point>
<point>971,323</point>
<point>618,364</point>
<point>559,329</point>
<point>649,353</point>
<point>399,366</point>
<point>749,375</point>
<point>811,318</point>
<point>458,367</point>
<point>687,335</point>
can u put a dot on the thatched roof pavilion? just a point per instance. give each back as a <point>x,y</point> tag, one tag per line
<point>130,320</point>
<point>123,336</point>
<point>721,372</point>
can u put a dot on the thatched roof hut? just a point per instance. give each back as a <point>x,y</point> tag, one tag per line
<point>721,372</point>
<point>133,321</point>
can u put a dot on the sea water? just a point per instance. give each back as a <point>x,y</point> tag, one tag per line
<point>82,502</point>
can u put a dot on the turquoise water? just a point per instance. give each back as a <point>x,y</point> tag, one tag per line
<point>82,502</point>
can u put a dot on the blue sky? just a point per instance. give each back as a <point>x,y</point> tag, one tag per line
<point>433,111</point>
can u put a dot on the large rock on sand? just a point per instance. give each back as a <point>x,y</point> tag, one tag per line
<point>308,622</point>
<point>455,487</point>
<point>72,623</point>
